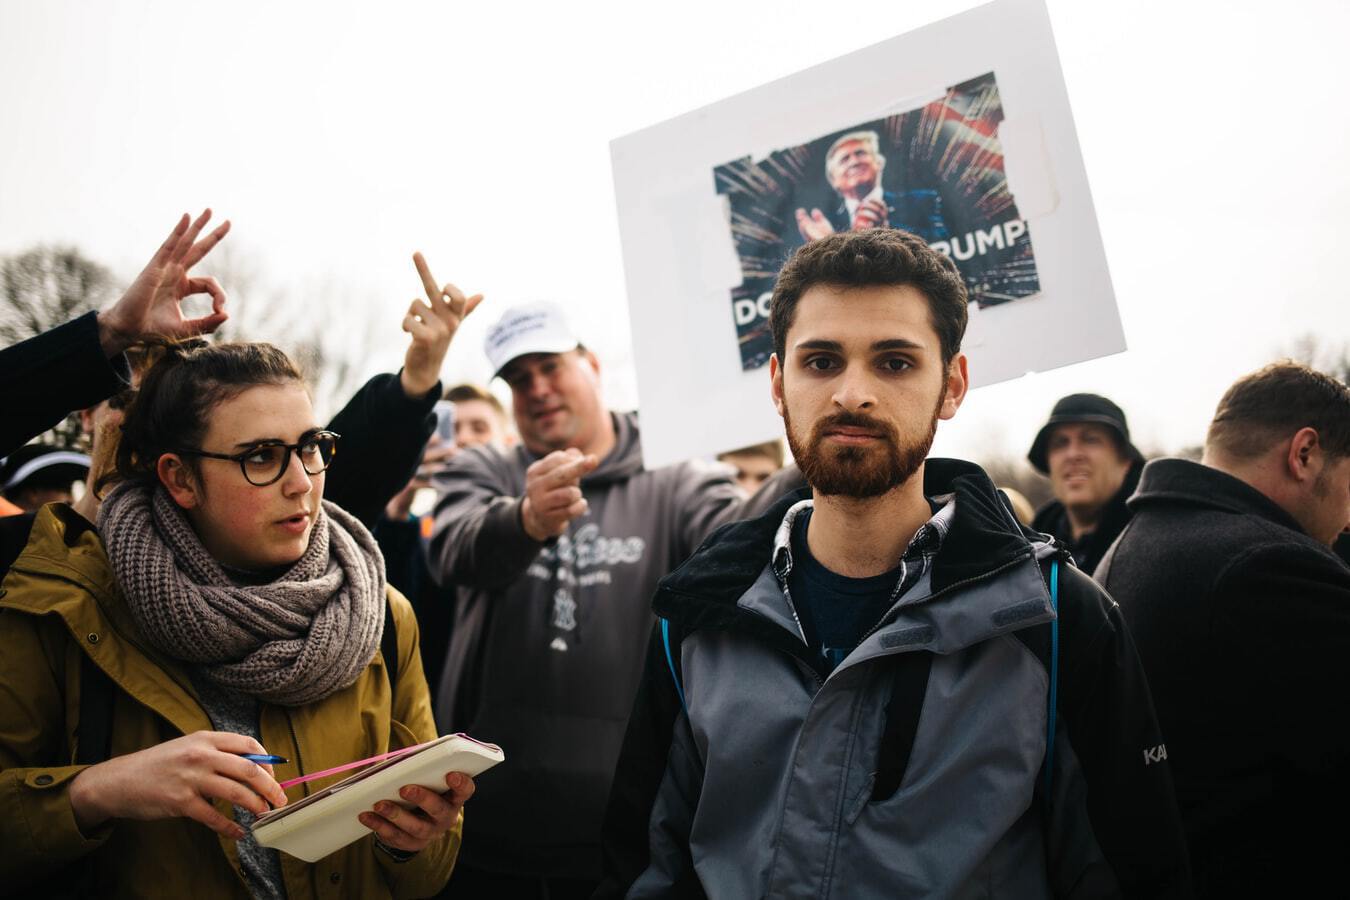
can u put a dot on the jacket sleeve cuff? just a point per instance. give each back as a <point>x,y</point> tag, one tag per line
<point>43,796</point>
<point>507,529</point>
<point>95,374</point>
<point>397,855</point>
<point>424,873</point>
<point>424,403</point>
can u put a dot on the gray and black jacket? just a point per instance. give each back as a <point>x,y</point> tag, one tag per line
<point>917,767</point>
<point>549,638</point>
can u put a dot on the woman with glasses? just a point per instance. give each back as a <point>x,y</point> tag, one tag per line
<point>234,612</point>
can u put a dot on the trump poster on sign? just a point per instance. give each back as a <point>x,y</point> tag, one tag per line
<point>959,132</point>
<point>936,171</point>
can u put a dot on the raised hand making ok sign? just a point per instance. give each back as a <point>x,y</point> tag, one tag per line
<point>151,306</point>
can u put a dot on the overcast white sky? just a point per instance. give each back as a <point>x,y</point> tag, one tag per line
<point>339,137</point>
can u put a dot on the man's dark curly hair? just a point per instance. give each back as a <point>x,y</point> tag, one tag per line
<point>874,257</point>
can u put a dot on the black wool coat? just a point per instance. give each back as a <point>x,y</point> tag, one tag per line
<point>1242,622</point>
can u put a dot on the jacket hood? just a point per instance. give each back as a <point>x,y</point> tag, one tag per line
<point>1194,484</point>
<point>704,591</point>
<point>621,463</point>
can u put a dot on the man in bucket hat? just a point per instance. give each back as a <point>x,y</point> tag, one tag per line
<point>1093,468</point>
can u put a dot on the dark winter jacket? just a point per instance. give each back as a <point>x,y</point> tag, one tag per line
<point>45,378</point>
<point>1053,518</point>
<point>916,767</point>
<point>384,432</point>
<point>1243,626</point>
<point>549,639</point>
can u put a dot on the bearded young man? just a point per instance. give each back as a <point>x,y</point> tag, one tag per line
<point>855,695</point>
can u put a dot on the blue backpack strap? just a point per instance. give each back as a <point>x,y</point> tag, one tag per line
<point>670,661</point>
<point>1054,678</point>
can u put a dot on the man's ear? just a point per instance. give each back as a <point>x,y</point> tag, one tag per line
<point>593,360</point>
<point>958,382</point>
<point>179,480</point>
<point>776,382</point>
<point>1303,458</point>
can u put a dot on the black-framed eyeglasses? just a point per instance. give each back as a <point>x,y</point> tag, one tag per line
<point>264,463</point>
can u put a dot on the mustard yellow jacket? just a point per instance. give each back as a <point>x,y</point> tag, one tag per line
<point>60,601</point>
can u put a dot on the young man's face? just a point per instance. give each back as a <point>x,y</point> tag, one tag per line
<point>477,423</point>
<point>861,387</point>
<point>556,399</point>
<point>852,170</point>
<point>1087,466</point>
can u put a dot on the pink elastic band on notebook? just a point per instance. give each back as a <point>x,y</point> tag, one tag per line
<point>352,765</point>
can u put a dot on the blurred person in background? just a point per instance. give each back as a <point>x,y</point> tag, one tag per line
<point>479,418</point>
<point>554,548</point>
<point>469,416</point>
<point>37,474</point>
<point>1085,450</point>
<point>755,464</point>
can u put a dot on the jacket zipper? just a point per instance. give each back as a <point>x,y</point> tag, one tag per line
<point>299,758</point>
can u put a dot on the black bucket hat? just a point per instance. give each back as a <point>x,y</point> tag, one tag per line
<point>1082,408</point>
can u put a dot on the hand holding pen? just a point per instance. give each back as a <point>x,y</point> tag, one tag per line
<point>178,778</point>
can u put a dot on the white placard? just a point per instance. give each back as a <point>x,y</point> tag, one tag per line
<point>692,193</point>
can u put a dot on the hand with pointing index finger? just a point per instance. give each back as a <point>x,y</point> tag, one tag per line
<point>152,305</point>
<point>553,492</point>
<point>432,325</point>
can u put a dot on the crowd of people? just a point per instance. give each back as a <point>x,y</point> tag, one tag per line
<point>861,673</point>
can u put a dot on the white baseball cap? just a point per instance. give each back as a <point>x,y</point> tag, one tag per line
<point>528,328</point>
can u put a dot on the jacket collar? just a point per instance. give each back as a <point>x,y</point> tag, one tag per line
<point>1194,484</point>
<point>65,548</point>
<point>706,589</point>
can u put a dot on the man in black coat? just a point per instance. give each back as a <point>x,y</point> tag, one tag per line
<point>1084,448</point>
<point>1241,614</point>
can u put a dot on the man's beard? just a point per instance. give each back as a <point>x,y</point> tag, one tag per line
<point>859,471</point>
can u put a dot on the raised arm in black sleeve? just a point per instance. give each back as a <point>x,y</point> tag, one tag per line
<point>45,378</point>
<point>383,434</point>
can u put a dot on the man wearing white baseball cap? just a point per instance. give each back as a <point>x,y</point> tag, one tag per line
<point>556,546</point>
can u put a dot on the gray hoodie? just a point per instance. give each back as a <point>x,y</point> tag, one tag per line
<point>549,639</point>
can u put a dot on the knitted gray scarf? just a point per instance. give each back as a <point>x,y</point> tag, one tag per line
<point>291,641</point>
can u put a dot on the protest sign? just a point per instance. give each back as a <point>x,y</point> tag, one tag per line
<point>959,132</point>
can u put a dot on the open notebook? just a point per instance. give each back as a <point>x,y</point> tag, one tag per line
<point>326,821</point>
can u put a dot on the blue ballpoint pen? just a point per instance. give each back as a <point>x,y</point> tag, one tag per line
<point>263,758</point>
